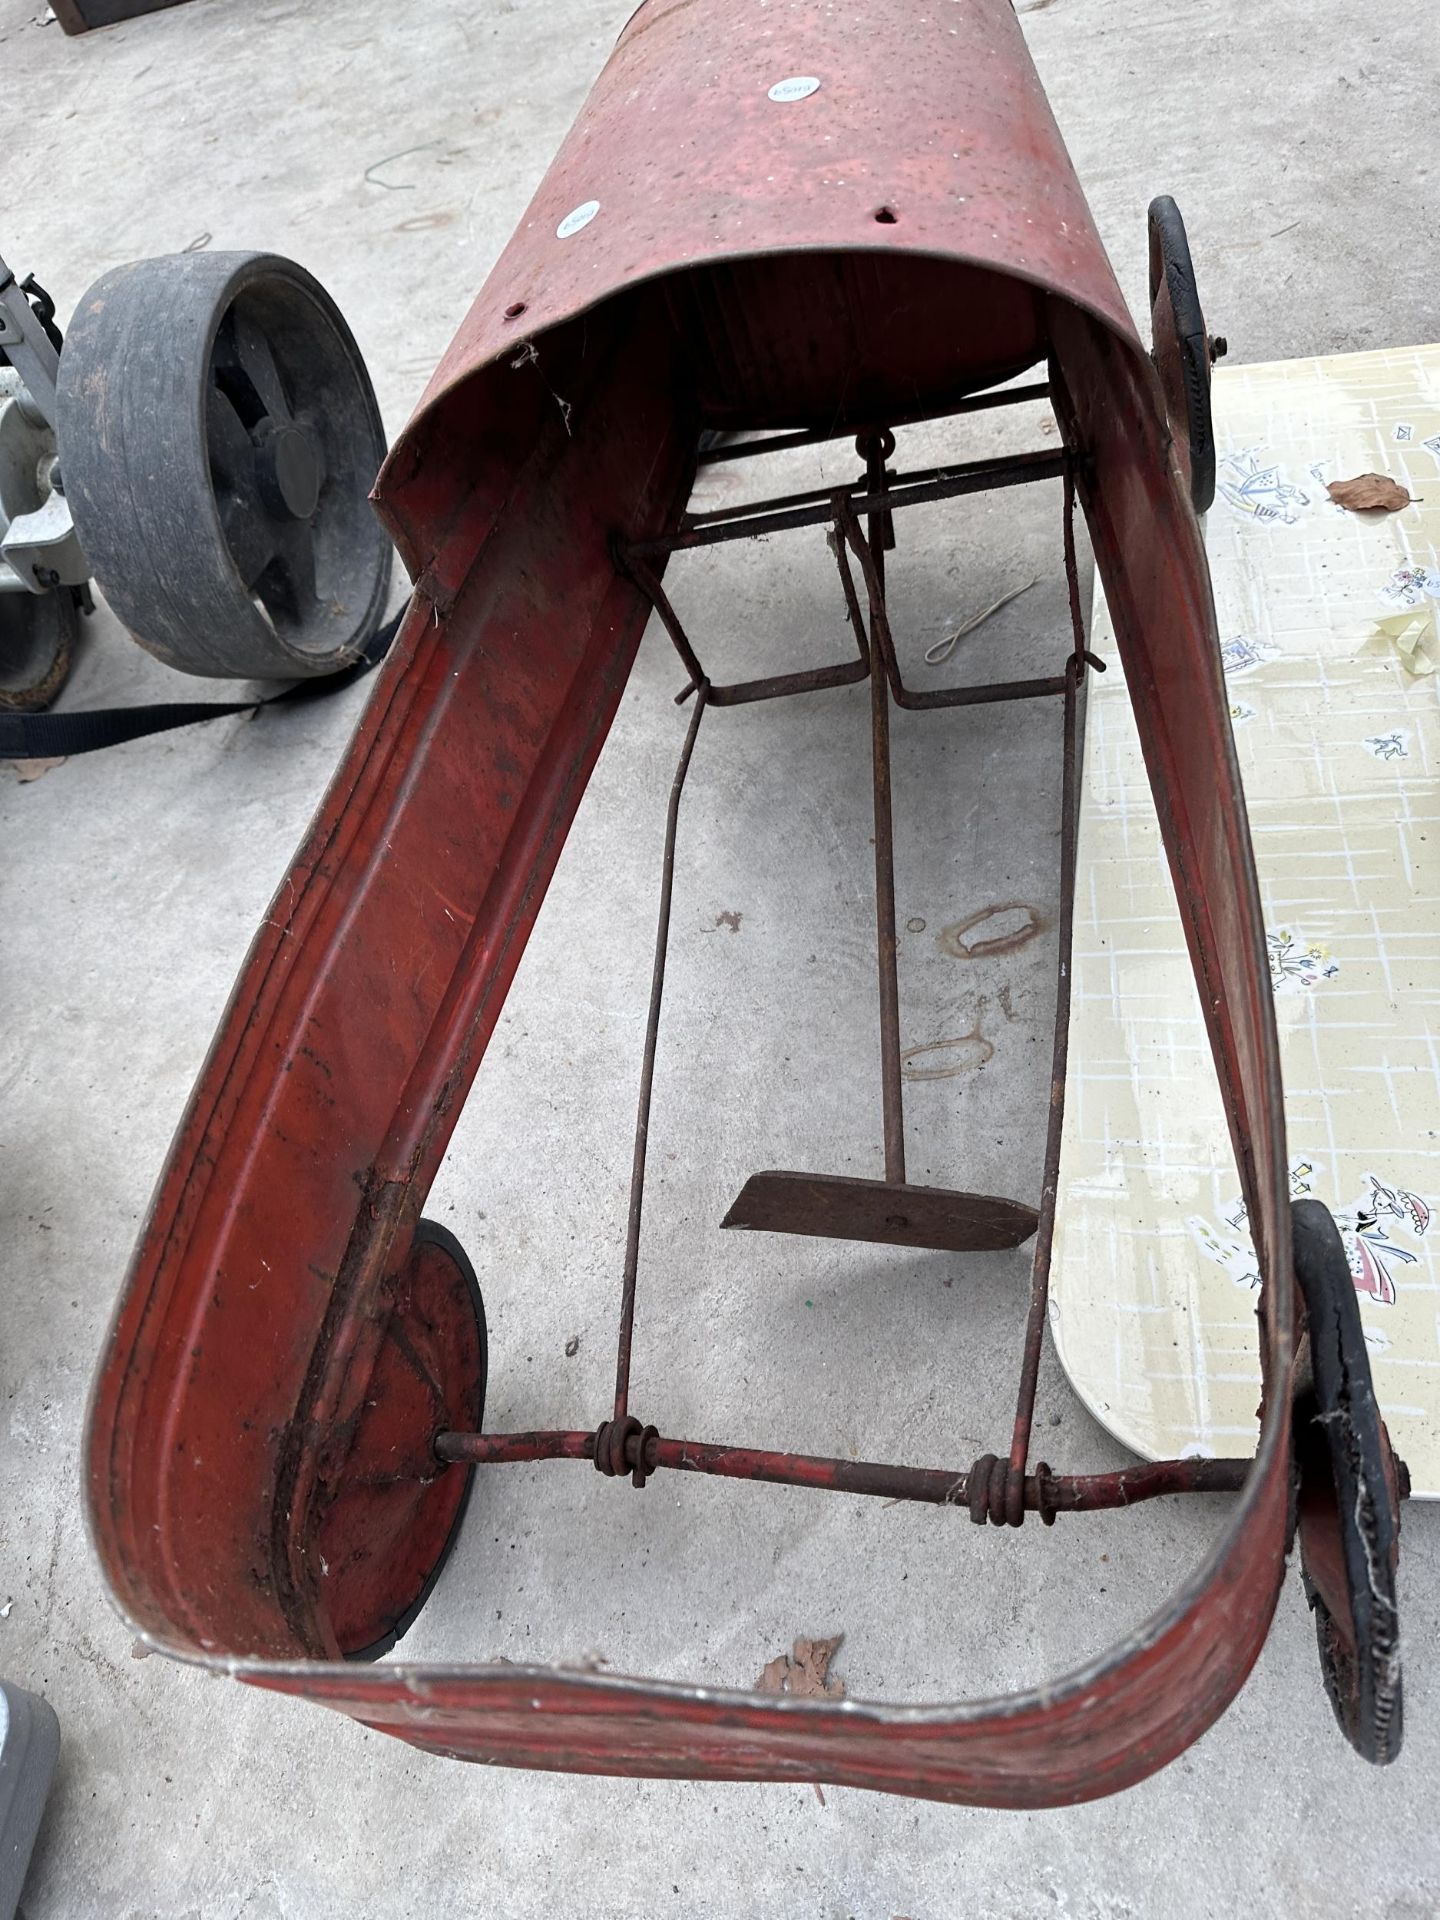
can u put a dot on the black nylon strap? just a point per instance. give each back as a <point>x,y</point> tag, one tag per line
<point>57,736</point>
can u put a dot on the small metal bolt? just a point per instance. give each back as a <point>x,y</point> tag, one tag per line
<point>1219,346</point>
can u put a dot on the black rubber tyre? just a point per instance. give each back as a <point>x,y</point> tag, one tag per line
<point>219,437</point>
<point>1349,1512</point>
<point>37,636</point>
<point>1181,347</point>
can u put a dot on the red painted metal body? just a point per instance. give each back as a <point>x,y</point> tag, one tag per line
<point>909,233</point>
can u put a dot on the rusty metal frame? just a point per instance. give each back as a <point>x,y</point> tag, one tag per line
<point>999,1490</point>
<point>695,264</point>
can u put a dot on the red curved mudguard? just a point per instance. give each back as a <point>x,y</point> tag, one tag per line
<point>735,274</point>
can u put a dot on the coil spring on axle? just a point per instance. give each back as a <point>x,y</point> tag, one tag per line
<point>997,1492</point>
<point>625,1446</point>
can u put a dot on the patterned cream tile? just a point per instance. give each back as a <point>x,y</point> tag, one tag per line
<point>1153,1291</point>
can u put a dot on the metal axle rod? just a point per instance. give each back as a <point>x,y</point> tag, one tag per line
<point>818,436</point>
<point>1044,1492</point>
<point>647,1066</point>
<point>873,446</point>
<point>941,483</point>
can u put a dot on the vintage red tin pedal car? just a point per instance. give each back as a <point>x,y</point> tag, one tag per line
<point>854,219</point>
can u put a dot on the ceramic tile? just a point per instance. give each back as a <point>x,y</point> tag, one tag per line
<point>1338,737</point>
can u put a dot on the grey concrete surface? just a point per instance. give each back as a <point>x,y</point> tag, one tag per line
<point>1298,136</point>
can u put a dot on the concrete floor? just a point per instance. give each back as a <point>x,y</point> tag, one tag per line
<point>1295,135</point>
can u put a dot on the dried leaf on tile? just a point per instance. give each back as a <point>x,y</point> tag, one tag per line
<point>1369,492</point>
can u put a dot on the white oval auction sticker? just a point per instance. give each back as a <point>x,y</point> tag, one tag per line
<point>581,217</point>
<point>800,86</point>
